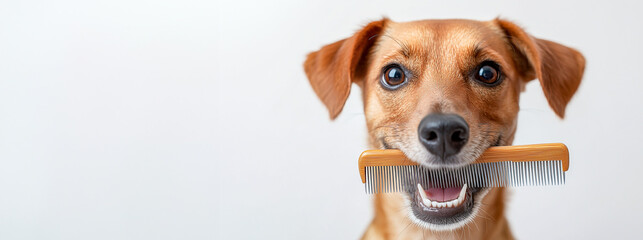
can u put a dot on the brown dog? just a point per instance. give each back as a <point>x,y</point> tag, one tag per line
<point>442,91</point>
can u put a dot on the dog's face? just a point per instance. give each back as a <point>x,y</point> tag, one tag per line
<point>442,91</point>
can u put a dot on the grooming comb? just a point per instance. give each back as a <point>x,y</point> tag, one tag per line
<point>384,171</point>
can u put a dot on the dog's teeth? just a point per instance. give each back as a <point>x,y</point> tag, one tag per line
<point>463,191</point>
<point>435,204</point>
<point>422,192</point>
<point>425,200</point>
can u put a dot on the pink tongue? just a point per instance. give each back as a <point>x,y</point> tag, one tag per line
<point>443,194</point>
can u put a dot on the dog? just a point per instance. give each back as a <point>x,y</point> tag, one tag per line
<point>442,92</point>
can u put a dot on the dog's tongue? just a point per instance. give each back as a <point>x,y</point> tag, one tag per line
<point>443,194</point>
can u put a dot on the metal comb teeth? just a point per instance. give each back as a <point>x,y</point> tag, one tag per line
<point>386,179</point>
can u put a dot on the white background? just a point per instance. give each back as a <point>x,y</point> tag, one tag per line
<point>194,120</point>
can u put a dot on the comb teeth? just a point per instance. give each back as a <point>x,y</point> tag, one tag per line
<point>385,179</point>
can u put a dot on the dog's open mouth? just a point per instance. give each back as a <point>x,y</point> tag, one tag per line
<point>432,205</point>
<point>443,208</point>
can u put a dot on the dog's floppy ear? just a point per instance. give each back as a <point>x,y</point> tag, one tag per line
<point>333,68</point>
<point>559,68</point>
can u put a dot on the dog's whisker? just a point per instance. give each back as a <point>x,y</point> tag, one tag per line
<point>399,235</point>
<point>404,47</point>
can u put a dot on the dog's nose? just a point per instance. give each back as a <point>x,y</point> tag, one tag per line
<point>443,134</point>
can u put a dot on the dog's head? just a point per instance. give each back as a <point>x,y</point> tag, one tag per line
<point>442,91</point>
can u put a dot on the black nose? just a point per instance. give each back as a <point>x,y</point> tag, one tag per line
<point>443,134</point>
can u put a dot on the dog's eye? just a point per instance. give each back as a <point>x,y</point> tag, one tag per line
<point>393,77</point>
<point>488,73</point>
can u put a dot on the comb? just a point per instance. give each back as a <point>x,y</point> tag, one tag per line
<point>384,171</point>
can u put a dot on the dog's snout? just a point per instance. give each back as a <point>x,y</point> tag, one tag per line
<point>443,134</point>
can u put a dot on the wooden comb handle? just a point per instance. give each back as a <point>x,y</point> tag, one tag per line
<point>523,153</point>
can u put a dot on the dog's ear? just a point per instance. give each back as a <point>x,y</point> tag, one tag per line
<point>558,68</point>
<point>333,68</point>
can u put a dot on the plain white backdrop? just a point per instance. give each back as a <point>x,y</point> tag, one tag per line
<point>194,120</point>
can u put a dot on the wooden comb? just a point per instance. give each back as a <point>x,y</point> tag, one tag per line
<point>527,165</point>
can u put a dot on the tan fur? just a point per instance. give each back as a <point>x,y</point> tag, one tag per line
<point>441,55</point>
